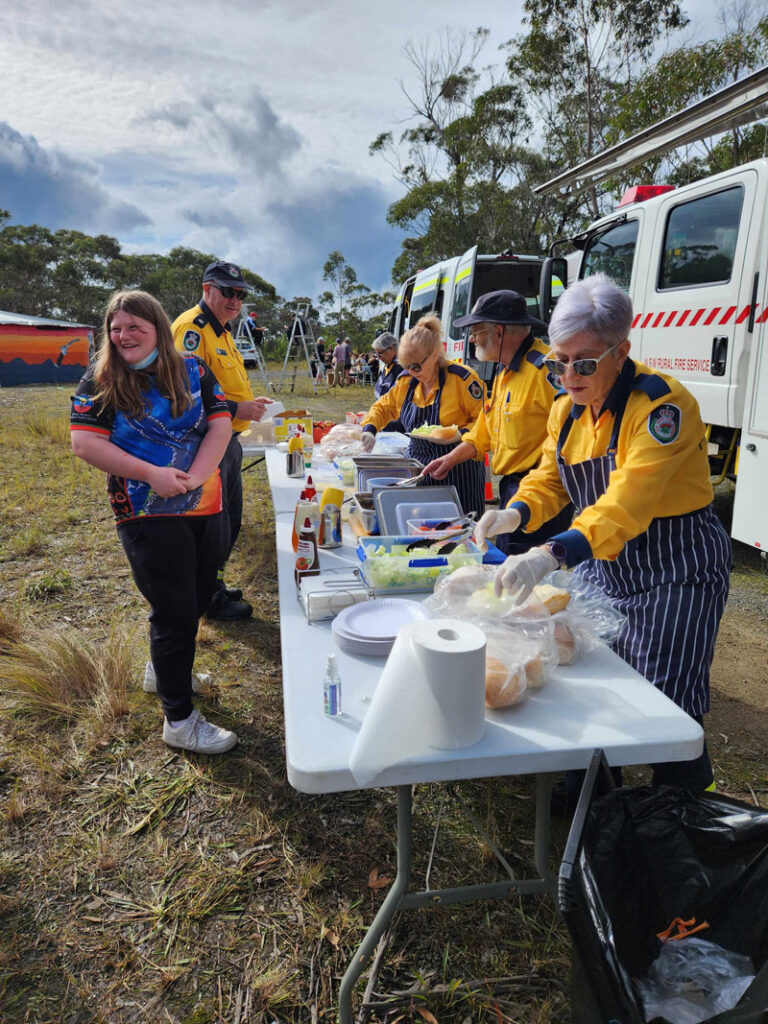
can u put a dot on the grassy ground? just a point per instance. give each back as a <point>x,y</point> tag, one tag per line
<point>142,885</point>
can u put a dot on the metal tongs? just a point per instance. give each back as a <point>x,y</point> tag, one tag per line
<point>447,544</point>
<point>410,481</point>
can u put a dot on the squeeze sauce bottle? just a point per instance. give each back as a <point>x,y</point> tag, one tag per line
<point>307,560</point>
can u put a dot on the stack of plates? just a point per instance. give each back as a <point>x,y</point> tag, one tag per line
<point>371,628</point>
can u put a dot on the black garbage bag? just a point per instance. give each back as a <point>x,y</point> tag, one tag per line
<point>636,859</point>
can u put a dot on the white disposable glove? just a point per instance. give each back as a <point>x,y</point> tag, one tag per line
<point>496,520</point>
<point>368,441</point>
<point>519,574</point>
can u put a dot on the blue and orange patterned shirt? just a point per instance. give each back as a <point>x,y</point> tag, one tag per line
<point>159,438</point>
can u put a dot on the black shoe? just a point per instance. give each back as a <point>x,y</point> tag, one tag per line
<point>233,594</point>
<point>221,608</point>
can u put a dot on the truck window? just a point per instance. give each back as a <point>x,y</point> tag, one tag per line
<point>422,304</point>
<point>460,306</point>
<point>611,252</point>
<point>700,240</point>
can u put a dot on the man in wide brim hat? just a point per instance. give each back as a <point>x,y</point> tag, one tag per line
<point>513,423</point>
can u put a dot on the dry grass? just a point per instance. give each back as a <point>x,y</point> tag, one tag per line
<point>141,885</point>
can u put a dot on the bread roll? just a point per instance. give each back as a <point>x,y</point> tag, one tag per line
<point>566,646</point>
<point>503,686</point>
<point>553,598</point>
<point>534,673</point>
<point>444,433</point>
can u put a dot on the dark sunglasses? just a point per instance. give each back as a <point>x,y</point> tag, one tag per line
<point>230,293</point>
<point>416,367</point>
<point>584,367</point>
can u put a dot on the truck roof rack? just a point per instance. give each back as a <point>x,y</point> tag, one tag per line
<point>736,104</point>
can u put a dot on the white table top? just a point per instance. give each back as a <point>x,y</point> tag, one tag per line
<point>598,702</point>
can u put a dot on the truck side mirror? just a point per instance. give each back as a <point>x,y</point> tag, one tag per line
<point>552,284</point>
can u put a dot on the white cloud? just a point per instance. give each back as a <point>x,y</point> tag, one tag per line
<point>240,129</point>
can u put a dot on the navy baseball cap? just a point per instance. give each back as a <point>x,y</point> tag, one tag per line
<point>227,274</point>
<point>502,307</point>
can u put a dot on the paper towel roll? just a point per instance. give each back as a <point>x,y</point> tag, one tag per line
<point>431,695</point>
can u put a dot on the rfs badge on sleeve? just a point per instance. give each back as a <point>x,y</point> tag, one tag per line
<point>191,341</point>
<point>664,424</point>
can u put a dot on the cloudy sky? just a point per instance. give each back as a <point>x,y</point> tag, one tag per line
<point>238,128</point>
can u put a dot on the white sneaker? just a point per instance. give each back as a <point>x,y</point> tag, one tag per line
<point>200,680</point>
<point>198,735</point>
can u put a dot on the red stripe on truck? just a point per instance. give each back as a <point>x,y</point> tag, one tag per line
<point>728,314</point>
<point>696,317</point>
<point>670,318</point>
<point>712,315</point>
<point>744,314</point>
<point>683,318</point>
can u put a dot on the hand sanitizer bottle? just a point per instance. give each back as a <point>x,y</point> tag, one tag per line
<point>332,688</point>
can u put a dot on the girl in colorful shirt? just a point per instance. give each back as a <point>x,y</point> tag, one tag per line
<point>157,423</point>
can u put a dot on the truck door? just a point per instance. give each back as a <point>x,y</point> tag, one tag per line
<point>750,522</point>
<point>691,317</point>
<point>461,302</point>
<point>398,321</point>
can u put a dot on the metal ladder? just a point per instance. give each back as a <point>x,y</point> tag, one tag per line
<point>301,342</point>
<point>243,333</point>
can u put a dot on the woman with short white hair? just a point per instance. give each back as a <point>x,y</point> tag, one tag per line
<point>626,446</point>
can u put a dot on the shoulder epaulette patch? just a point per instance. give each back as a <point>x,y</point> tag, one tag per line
<point>537,358</point>
<point>460,371</point>
<point>652,385</point>
<point>200,320</point>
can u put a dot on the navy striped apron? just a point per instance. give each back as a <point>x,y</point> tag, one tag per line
<point>671,582</point>
<point>468,477</point>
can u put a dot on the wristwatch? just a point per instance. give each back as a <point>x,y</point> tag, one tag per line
<point>559,551</point>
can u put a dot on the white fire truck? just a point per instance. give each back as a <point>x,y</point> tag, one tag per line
<point>695,263</point>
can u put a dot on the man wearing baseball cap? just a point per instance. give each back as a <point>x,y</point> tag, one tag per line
<point>513,421</point>
<point>202,331</point>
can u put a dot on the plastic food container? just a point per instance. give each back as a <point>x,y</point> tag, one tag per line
<point>362,504</point>
<point>388,569</point>
<point>426,528</point>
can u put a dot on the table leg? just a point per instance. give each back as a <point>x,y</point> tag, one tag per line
<point>541,834</point>
<point>388,908</point>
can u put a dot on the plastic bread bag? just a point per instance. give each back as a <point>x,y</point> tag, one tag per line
<point>587,619</point>
<point>517,658</point>
<point>468,593</point>
<point>343,439</point>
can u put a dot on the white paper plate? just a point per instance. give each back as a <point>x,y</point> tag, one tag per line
<point>363,648</point>
<point>379,620</point>
<point>344,634</point>
<point>436,440</point>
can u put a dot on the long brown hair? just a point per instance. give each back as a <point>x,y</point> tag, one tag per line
<point>122,388</point>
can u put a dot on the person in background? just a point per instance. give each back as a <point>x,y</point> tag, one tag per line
<point>626,447</point>
<point>338,363</point>
<point>345,355</point>
<point>157,423</point>
<point>385,348</point>
<point>255,332</point>
<point>513,422</point>
<point>318,365</point>
<point>432,391</point>
<point>202,331</point>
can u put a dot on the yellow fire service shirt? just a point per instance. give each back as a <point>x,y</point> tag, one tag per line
<point>198,331</point>
<point>513,422</point>
<point>662,467</point>
<point>460,400</point>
